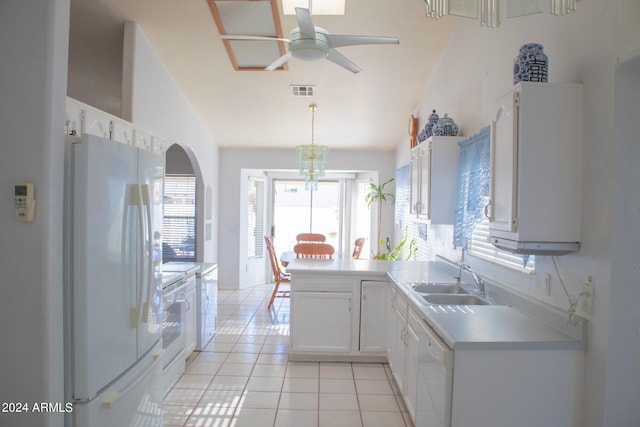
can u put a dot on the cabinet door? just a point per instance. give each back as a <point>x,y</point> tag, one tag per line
<point>321,322</point>
<point>415,180</point>
<point>372,316</point>
<point>504,164</point>
<point>391,327</point>
<point>397,344</point>
<point>424,208</point>
<point>410,391</point>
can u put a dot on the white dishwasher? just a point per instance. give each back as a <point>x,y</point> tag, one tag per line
<point>435,380</point>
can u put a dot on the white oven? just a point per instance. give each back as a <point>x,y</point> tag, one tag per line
<point>174,336</point>
<point>435,380</point>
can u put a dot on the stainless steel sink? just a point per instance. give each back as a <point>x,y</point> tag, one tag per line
<point>438,288</point>
<point>454,299</point>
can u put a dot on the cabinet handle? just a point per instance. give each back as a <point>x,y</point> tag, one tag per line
<point>486,210</point>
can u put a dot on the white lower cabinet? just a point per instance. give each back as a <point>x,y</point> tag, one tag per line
<point>403,348</point>
<point>373,302</point>
<point>532,388</point>
<point>321,322</point>
<point>338,318</point>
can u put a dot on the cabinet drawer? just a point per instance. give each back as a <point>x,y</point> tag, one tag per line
<point>325,284</point>
<point>415,322</point>
<point>401,307</point>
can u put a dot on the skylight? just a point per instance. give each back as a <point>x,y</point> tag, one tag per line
<point>319,7</point>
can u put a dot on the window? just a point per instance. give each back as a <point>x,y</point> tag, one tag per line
<point>255,218</point>
<point>296,210</point>
<point>179,222</point>
<point>481,248</point>
<point>471,227</point>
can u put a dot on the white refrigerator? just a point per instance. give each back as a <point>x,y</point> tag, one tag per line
<point>113,280</point>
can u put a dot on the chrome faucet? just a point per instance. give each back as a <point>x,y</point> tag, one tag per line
<point>462,267</point>
<point>478,283</point>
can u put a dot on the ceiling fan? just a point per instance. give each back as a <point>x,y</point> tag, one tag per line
<point>310,43</point>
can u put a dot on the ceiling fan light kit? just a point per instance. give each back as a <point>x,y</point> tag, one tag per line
<point>307,48</point>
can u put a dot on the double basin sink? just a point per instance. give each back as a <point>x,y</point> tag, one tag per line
<point>445,294</point>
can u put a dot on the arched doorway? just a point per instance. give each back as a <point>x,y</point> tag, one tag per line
<point>184,206</point>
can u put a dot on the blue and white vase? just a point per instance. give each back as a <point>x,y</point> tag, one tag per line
<point>445,127</point>
<point>531,64</point>
<point>422,136</point>
<point>431,122</point>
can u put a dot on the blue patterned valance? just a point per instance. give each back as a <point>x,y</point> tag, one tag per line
<point>473,186</point>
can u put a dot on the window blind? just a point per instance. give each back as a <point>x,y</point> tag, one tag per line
<point>179,221</point>
<point>471,227</point>
<point>481,248</point>
<point>255,218</point>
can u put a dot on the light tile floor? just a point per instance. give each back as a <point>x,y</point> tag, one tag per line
<point>244,377</point>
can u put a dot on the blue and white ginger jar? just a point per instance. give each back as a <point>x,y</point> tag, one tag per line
<point>431,122</point>
<point>445,127</point>
<point>531,64</point>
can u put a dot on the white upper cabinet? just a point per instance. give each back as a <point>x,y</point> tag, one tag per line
<point>536,169</point>
<point>434,166</point>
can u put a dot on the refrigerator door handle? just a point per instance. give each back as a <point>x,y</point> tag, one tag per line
<point>110,400</point>
<point>146,273</point>
<point>143,241</point>
<point>149,242</point>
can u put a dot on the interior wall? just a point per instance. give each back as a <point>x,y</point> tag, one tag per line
<point>95,56</point>
<point>623,357</point>
<point>232,161</point>
<point>475,70</point>
<point>33,45</point>
<point>153,100</point>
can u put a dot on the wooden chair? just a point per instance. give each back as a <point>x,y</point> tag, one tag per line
<point>278,275</point>
<point>311,238</point>
<point>357,248</point>
<point>313,251</point>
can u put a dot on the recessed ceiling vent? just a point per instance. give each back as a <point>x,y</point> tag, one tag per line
<point>302,90</point>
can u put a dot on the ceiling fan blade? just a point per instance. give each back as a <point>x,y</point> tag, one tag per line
<point>338,58</point>
<point>341,40</point>
<point>305,22</point>
<point>260,38</point>
<point>278,62</point>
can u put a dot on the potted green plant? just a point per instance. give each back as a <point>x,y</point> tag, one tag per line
<point>377,194</point>
<point>394,254</point>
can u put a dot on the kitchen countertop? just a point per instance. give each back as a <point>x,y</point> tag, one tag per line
<point>462,327</point>
<point>339,266</point>
<point>182,266</point>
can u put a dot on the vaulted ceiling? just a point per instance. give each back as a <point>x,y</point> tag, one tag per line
<point>369,110</point>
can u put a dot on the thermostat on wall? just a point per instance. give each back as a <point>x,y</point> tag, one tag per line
<point>24,202</point>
